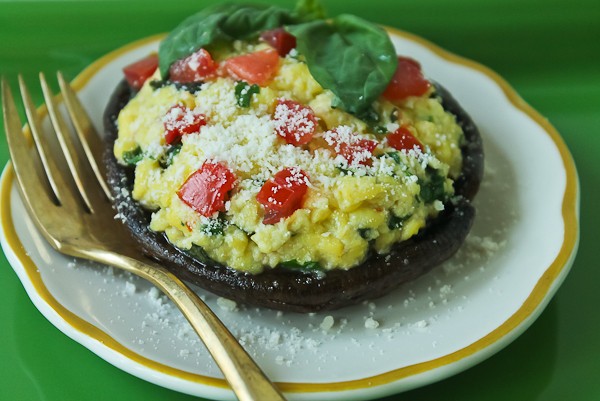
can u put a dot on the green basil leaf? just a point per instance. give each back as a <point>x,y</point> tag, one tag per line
<point>222,23</point>
<point>353,58</point>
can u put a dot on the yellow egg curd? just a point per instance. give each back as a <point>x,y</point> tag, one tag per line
<point>348,209</point>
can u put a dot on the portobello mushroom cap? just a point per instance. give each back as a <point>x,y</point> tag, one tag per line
<point>295,290</point>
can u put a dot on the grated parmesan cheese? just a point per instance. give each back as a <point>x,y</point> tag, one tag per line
<point>350,171</point>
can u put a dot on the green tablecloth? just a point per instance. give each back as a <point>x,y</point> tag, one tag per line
<point>547,49</point>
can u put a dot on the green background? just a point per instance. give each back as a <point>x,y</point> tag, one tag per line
<point>549,50</point>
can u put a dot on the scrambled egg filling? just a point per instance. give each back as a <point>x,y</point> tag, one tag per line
<point>348,208</point>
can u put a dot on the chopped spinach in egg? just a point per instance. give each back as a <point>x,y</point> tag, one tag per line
<point>261,168</point>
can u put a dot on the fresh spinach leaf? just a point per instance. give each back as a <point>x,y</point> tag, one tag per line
<point>167,159</point>
<point>370,116</point>
<point>198,253</point>
<point>244,92</point>
<point>395,156</point>
<point>306,266</point>
<point>367,233</point>
<point>192,87</point>
<point>132,157</point>
<point>215,226</point>
<point>395,222</point>
<point>381,130</point>
<point>159,83</point>
<point>353,58</point>
<point>345,171</point>
<point>433,188</point>
<point>222,23</point>
<point>309,10</point>
<point>373,120</point>
<point>348,55</point>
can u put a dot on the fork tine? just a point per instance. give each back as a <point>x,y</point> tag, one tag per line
<point>73,158</point>
<point>89,138</point>
<point>36,195</point>
<point>17,142</point>
<point>35,126</point>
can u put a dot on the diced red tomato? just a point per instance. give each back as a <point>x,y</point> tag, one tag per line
<point>180,120</point>
<point>280,39</point>
<point>294,122</point>
<point>255,68</point>
<point>282,195</point>
<point>207,189</point>
<point>402,138</point>
<point>198,66</point>
<point>137,73</point>
<point>350,146</point>
<point>408,80</point>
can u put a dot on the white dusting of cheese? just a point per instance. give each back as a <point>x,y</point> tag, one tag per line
<point>352,153</point>
<point>261,157</point>
<point>327,323</point>
<point>349,169</point>
<point>421,324</point>
<point>371,323</point>
<point>293,118</point>
<point>438,205</point>
<point>129,288</point>
<point>226,304</point>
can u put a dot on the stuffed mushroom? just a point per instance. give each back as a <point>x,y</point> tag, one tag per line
<point>247,167</point>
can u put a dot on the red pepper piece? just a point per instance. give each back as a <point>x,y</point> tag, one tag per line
<point>294,122</point>
<point>282,195</point>
<point>207,189</point>
<point>402,138</point>
<point>137,73</point>
<point>408,80</point>
<point>280,39</point>
<point>350,146</point>
<point>198,66</point>
<point>255,68</point>
<point>180,120</point>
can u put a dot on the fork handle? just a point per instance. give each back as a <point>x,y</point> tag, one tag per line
<point>246,379</point>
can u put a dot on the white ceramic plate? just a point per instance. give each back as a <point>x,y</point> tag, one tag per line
<point>517,255</point>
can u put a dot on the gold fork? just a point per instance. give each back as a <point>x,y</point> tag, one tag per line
<point>68,200</point>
